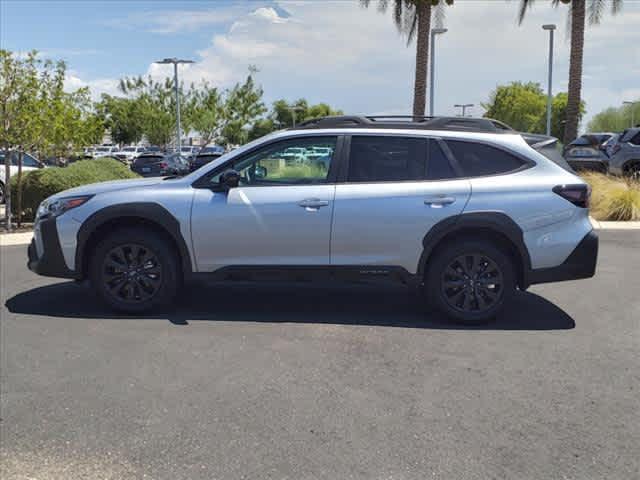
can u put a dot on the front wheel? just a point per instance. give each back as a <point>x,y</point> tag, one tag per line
<point>470,281</point>
<point>134,270</point>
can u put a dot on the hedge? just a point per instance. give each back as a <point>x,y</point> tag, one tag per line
<point>40,184</point>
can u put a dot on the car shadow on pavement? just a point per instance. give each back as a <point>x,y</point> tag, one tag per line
<point>306,303</point>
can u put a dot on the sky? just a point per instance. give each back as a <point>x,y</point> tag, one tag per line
<point>324,50</point>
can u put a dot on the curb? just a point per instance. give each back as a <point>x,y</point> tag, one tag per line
<point>10,239</point>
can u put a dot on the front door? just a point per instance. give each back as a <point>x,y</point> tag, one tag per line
<point>280,214</point>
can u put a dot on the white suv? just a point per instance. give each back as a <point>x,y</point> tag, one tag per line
<point>468,216</point>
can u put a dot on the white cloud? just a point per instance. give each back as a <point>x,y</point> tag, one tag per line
<point>354,58</point>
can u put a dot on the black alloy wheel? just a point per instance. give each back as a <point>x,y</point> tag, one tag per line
<point>472,283</point>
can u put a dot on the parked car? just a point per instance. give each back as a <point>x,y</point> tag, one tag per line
<point>625,154</point>
<point>468,217</point>
<point>29,162</point>
<point>588,152</point>
<point>202,159</point>
<point>105,151</point>
<point>610,144</point>
<point>205,155</point>
<point>188,151</point>
<point>128,154</point>
<point>159,165</point>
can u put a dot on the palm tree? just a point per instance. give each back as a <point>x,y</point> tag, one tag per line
<point>578,11</point>
<point>413,18</point>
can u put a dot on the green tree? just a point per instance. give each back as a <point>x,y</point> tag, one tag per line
<point>523,106</point>
<point>579,10</point>
<point>413,18</point>
<point>154,104</point>
<point>615,119</point>
<point>123,117</point>
<point>282,112</point>
<point>224,117</point>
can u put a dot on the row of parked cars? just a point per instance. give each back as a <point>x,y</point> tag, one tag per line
<point>606,152</point>
<point>153,161</point>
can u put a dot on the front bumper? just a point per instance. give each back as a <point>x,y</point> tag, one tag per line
<point>51,262</point>
<point>581,263</point>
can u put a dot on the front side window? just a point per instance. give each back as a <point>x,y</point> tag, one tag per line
<point>477,159</point>
<point>387,159</point>
<point>289,162</point>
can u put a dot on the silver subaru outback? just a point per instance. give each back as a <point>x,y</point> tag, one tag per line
<point>467,216</point>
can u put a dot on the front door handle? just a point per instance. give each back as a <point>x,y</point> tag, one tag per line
<point>439,201</point>
<point>310,204</point>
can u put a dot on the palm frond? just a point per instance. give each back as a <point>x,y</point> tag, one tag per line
<point>595,9</point>
<point>438,14</point>
<point>411,23</point>
<point>522,11</point>
<point>616,6</point>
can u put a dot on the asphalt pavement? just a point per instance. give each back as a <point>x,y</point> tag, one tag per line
<point>298,382</point>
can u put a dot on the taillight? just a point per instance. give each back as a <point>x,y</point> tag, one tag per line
<point>579,195</point>
<point>163,165</point>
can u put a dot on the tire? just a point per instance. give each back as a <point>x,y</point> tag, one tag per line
<point>135,270</point>
<point>468,292</point>
<point>633,170</point>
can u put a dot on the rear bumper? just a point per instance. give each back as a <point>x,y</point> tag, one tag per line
<point>51,263</point>
<point>581,263</point>
<point>596,164</point>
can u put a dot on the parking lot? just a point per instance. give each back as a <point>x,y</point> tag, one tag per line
<point>305,383</point>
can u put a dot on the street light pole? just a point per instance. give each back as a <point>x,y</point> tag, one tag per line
<point>293,111</point>
<point>434,32</point>
<point>631,104</point>
<point>551,27</point>
<point>175,62</point>
<point>464,107</point>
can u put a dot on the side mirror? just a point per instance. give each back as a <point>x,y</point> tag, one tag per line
<point>229,179</point>
<point>260,172</point>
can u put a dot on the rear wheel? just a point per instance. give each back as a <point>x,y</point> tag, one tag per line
<point>134,270</point>
<point>470,281</point>
<point>633,171</point>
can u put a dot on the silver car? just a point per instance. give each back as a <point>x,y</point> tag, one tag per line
<point>468,217</point>
<point>625,154</point>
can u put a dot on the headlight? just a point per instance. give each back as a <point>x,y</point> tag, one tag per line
<point>52,209</point>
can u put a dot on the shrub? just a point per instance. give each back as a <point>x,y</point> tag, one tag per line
<point>613,198</point>
<point>40,184</point>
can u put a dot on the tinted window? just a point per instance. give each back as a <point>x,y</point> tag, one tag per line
<point>301,161</point>
<point>438,167</point>
<point>380,159</point>
<point>636,140</point>
<point>477,159</point>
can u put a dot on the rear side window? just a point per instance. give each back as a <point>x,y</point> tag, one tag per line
<point>477,159</point>
<point>636,140</point>
<point>438,166</point>
<point>387,159</point>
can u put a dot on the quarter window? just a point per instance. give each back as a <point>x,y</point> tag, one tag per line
<point>477,159</point>
<point>386,159</point>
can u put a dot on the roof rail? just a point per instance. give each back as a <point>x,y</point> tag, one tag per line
<point>402,121</point>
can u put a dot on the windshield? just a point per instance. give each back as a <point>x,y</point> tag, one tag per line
<point>103,149</point>
<point>129,149</point>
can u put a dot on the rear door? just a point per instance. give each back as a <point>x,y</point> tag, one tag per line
<point>393,191</point>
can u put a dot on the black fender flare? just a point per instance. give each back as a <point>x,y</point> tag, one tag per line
<point>150,211</point>
<point>497,222</point>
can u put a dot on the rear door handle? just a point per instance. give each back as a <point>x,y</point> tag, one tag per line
<point>312,203</point>
<point>438,201</point>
